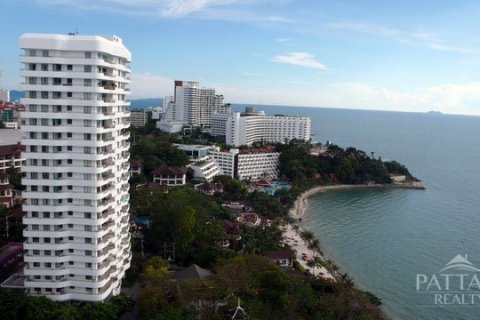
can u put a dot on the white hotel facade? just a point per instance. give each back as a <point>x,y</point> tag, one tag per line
<point>77,240</point>
<point>243,129</point>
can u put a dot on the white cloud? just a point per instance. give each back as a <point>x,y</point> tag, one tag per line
<point>279,19</point>
<point>453,98</point>
<point>181,8</point>
<point>228,10</point>
<point>303,59</point>
<point>415,38</point>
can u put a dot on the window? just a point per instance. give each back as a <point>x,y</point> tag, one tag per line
<point>34,188</point>
<point>44,122</point>
<point>45,149</point>
<point>69,121</point>
<point>69,148</point>
<point>45,175</point>
<point>87,215</point>
<point>88,55</point>
<point>69,108</point>
<point>57,67</point>
<point>44,81</point>
<point>44,67</point>
<point>87,68</point>
<point>33,108</point>
<point>87,150</point>
<point>36,265</point>
<point>44,162</point>
<point>69,94</point>
<point>32,122</point>
<point>87,123</point>
<point>44,53</point>
<point>69,134</point>
<point>44,108</point>
<point>87,82</point>
<point>45,135</point>
<point>69,67</point>
<point>32,80</point>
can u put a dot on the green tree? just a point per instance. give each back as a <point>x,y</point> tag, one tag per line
<point>159,292</point>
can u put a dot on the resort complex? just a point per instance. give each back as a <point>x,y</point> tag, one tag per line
<point>195,107</point>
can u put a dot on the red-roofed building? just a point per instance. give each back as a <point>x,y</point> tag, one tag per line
<point>283,258</point>
<point>6,190</point>
<point>135,166</point>
<point>170,176</point>
<point>11,156</point>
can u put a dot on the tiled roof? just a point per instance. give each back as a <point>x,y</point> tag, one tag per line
<point>10,149</point>
<point>279,254</point>
<point>170,171</point>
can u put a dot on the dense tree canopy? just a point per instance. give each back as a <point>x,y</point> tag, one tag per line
<point>334,165</point>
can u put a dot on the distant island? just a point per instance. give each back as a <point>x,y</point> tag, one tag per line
<point>434,112</point>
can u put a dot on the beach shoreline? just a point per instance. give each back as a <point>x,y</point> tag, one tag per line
<point>299,206</point>
<point>292,233</point>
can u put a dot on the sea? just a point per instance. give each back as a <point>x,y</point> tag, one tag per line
<point>396,243</point>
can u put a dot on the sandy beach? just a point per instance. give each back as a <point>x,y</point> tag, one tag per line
<point>302,253</point>
<point>299,206</point>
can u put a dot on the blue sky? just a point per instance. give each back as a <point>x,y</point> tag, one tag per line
<point>387,55</point>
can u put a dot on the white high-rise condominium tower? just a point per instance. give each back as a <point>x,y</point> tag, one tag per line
<point>77,241</point>
<point>191,105</point>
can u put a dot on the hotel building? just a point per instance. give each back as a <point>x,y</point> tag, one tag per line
<point>250,126</point>
<point>75,130</point>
